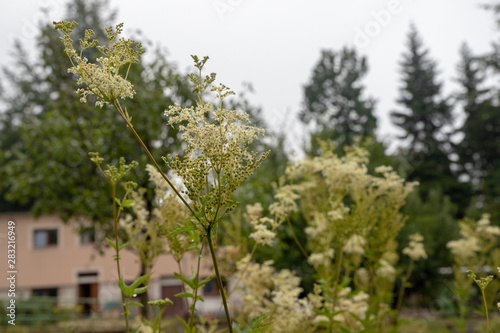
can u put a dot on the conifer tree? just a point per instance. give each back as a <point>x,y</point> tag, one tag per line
<point>425,120</point>
<point>334,101</point>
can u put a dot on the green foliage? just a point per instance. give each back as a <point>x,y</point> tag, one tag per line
<point>478,150</point>
<point>48,132</point>
<point>134,289</point>
<point>334,100</point>
<point>430,217</point>
<point>425,119</point>
<point>251,327</point>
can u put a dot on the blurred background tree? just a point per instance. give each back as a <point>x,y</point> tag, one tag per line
<point>334,103</point>
<point>47,132</point>
<point>426,122</point>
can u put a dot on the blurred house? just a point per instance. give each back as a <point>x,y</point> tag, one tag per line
<point>54,259</point>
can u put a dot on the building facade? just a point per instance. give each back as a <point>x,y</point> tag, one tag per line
<point>53,259</point>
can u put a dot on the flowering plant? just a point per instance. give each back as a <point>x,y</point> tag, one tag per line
<point>215,162</point>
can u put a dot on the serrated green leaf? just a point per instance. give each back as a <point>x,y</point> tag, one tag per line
<point>126,290</point>
<point>258,319</point>
<point>140,290</point>
<point>204,281</point>
<point>190,295</point>
<point>121,246</point>
<point>127,203</point>
<point>187,295</point>
<point>195,236</point>
<point>250,327</point>
<point>185,229</point>
<point>237,327</point>
<point>260,328</point>
<point>185,280</point>
<point>140,280</point>
<point>345,329</point>
<point>135,304</point>
<point>185,325</point>
<point>113,245</point>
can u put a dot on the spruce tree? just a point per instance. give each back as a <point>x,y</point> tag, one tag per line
<point>334,101</point>
<point>476,149</point>
<point>425,120</point>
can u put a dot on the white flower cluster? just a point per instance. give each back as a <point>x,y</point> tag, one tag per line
<point>464,248</point>
<point>216,158</point>
<point>475,238</point>
<point>386,270</point>
<point>262,235</point>
<point>349,305</point>
<point>485,228</point>
<point>321,259</point>
<point>141,230</point>
<point>355,245</point>
<point>268,290</point>
<point>103,78</point>
<point>285,202</point>
<point>169,214</point>
<point>416,250</point>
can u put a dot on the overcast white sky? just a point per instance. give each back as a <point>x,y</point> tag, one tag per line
<point>275,44</point>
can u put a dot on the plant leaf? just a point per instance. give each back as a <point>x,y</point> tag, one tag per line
<point>135,304</point>
<point>127,203</point>
<point>185,280</point>
<point>110,242</point>
<point>140,290</point>
<point>140,280</point>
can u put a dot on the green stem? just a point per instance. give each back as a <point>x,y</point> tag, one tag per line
<point>244,269</point>
<point>486,310</point>
<point>403,287</point>
<point>217,276</point>
<point>129,124</point>
<point>183,286</point>
<point>117,248</point>
<point>193,308</point>
<point>301,248</point>
<point>337,278</point>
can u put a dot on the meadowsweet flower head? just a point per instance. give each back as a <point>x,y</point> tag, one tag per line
<point>103,78</point>
<point>362,278</point>
<point>386,270</point>
<point>140,228</point>
<point>481,282</point>
<point>485,228</point>
<point>349,304</point>
<point>464,248</point>
<point>169,214</point>
<point>216,158</point>
<point>321,259</point>
<point>355,245</point>
<point>415,250</point>
<point>262,235</point>
<point>285,202</point>
<point>253,214</point>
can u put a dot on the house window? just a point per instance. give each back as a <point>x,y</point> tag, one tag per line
<point>87,236</point>
<point>45,238</point>
<point>212,288</point>
<point>47,292</point>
